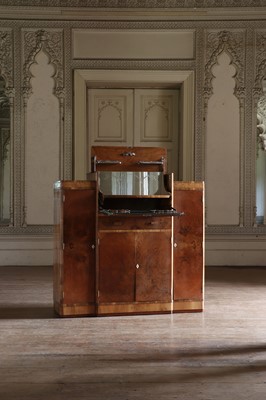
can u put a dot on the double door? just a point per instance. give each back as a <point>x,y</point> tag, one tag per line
<point>135,117</point>
<point>134,271</point>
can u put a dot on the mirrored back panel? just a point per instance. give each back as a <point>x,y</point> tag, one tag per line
<point>128,183</point>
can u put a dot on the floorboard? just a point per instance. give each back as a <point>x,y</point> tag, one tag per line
<point>217,354</point>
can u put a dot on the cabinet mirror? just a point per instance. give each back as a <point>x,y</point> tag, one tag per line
<point>131,183</point>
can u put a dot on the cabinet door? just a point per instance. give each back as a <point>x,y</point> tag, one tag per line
<point>77,269</point>
<point>116,267</point>
<point>153,266</point>
<point>188,246</point>
<point>134,272</point>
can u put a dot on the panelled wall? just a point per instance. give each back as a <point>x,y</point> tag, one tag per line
<point>51,57</point>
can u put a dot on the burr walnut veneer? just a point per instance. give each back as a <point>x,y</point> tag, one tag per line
<point>126,244</point>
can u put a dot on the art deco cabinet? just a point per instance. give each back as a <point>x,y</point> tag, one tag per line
<point>129,239</point>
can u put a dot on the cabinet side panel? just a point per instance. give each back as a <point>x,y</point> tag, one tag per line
<point>79,246</point>
<point>188,243</point>
<point>75,247</point>
<point>58,256</point>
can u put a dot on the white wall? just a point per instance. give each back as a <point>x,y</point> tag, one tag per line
<point>224,57</point>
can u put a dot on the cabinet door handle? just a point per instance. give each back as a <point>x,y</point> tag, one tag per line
<point>137,266</point>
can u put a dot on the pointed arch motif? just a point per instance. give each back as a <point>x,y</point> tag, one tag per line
<point>233,44</point>
<point>6,58</point>
<point>260,58</point>
<point>259,94</point>
<point>51,43</point>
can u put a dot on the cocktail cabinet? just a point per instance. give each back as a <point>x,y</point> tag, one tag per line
<point>129,239</point>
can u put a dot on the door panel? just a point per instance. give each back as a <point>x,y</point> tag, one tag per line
<point>156,121</point>
<point>110,117</point>
<point>116,267</point>
<point>153,261</point>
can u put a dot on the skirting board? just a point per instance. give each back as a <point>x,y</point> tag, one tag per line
<point>235,250</point>
<point>232,251</point>
<point>26,250</point>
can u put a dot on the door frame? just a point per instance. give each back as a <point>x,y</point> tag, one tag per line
<point>85,79</point>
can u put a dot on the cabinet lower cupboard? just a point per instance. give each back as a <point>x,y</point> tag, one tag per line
<point>120,254</point>
<point>140,271</point>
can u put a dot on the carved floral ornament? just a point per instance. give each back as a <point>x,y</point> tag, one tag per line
<point>6,60</point>
<point>4,145</point>
<point>233,44</point>
<point>6,89</point>
<point>259,90</point>
<point>261,122</point>
<point>134,3</point>
<point>51,43</point>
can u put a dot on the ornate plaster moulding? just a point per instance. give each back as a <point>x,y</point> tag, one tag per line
<point>131,9</point>
<point>135,3</point>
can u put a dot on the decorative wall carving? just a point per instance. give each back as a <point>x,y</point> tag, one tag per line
<point>258,94</point>
<point>134,3</point>
<point>261,123</point>
<point>63,28</point>
<point>6,59</point>
<point>4,143</point>
<point>260,57</point>
<point>51,42</point>
<point>7,93</point>
<point>233,43</point>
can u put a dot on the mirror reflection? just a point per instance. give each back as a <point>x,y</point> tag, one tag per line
<point>131,183</point>
<point>261,158</point>
<point>5,156</point>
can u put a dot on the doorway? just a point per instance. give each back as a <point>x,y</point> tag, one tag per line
<point>84,80</point>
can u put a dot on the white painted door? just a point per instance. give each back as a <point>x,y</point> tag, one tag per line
<point>135,117</point>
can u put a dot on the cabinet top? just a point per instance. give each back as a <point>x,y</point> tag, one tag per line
<point>119,158</point>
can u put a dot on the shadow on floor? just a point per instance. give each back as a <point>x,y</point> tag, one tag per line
<point>27,312</point>
<point>255,275</point>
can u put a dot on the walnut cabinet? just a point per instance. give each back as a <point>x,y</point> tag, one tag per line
<point>120,253</point>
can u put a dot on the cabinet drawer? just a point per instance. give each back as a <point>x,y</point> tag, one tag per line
<point>131,222</point>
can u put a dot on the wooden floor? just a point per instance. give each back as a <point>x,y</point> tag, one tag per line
<point>217,354</point>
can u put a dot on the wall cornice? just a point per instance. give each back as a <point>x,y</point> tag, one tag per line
<point>151,4</point>
<point>132,9</point>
